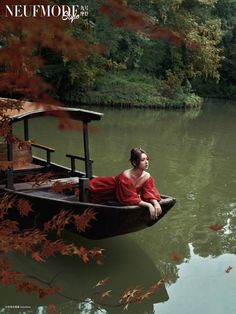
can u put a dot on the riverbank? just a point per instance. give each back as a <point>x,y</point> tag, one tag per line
<point>138,90</point>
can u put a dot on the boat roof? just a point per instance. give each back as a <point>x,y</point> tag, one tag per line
<point>31,110</point>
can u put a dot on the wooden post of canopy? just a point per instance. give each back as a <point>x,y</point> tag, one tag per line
<point>88,163</point>
<point>10,159</point>
<point>26,129</point>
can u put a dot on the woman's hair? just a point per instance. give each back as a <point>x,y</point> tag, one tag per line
<point>135,156</point>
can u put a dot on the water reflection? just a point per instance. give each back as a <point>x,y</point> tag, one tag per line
<point>126,265</point>
<point>203,286</point>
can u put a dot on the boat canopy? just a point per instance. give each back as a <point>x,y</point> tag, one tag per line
<point>31,110</point>
<point>28,110</point>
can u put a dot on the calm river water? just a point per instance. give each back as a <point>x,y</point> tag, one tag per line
<point>192,157</point>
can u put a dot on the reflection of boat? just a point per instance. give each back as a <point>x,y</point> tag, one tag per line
<point>111,218</point>
<point>126,265</point>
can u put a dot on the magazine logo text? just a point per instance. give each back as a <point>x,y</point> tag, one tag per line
<point>66,12</point>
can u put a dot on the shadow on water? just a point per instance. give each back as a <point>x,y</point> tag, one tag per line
<point>126,265</point>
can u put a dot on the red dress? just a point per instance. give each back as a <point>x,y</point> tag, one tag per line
<point>122,189</point>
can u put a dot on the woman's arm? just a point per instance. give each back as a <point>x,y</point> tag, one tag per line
<point>154,211</point>
<point>157,206</point>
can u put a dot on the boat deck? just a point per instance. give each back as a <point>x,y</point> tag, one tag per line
<point>45,190</point>
<point>24,186</point>
<point>47,194</point>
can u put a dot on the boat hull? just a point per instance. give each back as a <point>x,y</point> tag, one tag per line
<point>111,219</point>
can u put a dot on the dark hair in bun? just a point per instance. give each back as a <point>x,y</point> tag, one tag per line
<point>135,156</point>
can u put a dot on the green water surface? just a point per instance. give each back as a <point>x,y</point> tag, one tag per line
<point>192,157</point>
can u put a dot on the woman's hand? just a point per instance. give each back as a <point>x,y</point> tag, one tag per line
<point>157,207</point>
<point>155,211</point>
<point>152,211</point>
<point>154,208</point>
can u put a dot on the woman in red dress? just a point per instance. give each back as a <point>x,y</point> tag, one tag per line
<point>133,186</point>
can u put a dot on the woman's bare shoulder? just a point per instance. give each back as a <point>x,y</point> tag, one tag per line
<point>146,175</point>
<point>126,173</point>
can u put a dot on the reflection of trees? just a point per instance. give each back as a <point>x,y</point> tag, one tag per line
<point>126,265</point>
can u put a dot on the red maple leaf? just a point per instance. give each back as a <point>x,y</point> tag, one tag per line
<point>46,292</point>
<point>6,202</point>
<point>37,257</point>
<point>215,227</point>
<point>106,294</point>
<point>97,254</point>
<point>102,282</point>
<point>5,128</point>
<point>39,179</point>
<point>59,187</point>
<point>5,277</point>
<point>50,248</point>
<point>24,207</point>
<point>130,296</point>
<point>84,254</point>
<point>58,222</point>
<point>105,9</point>
<point>82,221</point>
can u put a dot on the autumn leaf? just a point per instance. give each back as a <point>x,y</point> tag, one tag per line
<point>216,227</point>
<point>106,294</point>
<point>127,18</point>
<point>228,270</point>
<point>47,292</point>
<point>59,222</point>
<point>37,257</point>
<point>24,207</point>
<point>146,295</point>
<point>47,226</point>
<point>82,221</point>
<point>155,287</point>
<point>7,201</point>
<point>41,179</point>
<point>137,294</point>
<point>97,254</point>
<point>49,248</point>
<point>84,254</point>
<point>5,127</point>
<point>60,187</point>
<point>130,295</point>
<point>102,282</point>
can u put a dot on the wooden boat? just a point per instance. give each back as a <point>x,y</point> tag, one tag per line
<point>112,218</point>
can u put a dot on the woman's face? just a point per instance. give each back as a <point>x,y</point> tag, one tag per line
<point>144,162</point>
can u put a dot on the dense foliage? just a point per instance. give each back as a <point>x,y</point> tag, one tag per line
<point>162,53</point>
<point>224,87</point>
<point>153,65</point>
